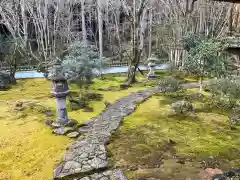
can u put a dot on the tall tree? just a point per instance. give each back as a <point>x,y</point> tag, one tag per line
<point>100,26</point>
<point>84,31</point>
<point>138,26</point>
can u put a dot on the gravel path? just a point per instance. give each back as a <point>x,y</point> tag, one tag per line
<point>86,159</point>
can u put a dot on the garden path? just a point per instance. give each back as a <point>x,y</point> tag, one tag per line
<point>86,159</point>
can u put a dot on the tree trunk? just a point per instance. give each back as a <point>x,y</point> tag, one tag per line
<point>100,33</point>
<point>230,21</point>
<point>84,31</point>
<point>202,34</point>
<point>12,77</point>
<point>150,33</point>
<point>13,68</point>
<point>200,86</point>
<point>202,19</point>
<point>131,69</point>
<point>137,40</point>
<point>100,26</point>
<point>117,23</point>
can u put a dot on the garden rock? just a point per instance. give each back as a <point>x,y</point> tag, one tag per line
<point>73,134</point>
<point>49,114</point>
<point>106,175</point>
<point>19,108</point>
<point>124,86</point>
<point>71,123</point>
<point>48,122</point>
<point>56,125</point>
<point>63,130</point>
<point>19,104</point>
<point>84,129</point>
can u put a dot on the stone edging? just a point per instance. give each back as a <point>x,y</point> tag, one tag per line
<point>86,159</point>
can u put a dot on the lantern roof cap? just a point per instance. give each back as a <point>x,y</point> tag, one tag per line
<point>56,72</point>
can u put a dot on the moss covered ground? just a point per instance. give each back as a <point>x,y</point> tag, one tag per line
<point>28,149</point>
<point>153,143</point>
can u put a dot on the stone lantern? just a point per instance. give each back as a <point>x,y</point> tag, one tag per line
<point>151,65</point>
<point>60,91</point>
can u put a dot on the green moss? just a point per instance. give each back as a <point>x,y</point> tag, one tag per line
<point>142,141</point>
<point>28,149</point>
<point>190,79</point>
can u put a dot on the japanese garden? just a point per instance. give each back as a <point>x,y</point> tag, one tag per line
<point>119,90</point>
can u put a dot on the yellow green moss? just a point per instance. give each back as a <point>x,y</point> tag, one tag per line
<point>143,141</point>
<point>28,149</point>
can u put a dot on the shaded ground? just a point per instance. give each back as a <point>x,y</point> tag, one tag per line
<point>154,144</point>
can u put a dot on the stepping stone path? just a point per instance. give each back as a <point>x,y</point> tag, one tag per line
<point>88,155</point>
<point>86,159</point>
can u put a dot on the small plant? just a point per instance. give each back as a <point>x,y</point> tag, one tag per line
<point>178,74</point>
<point>169,83</point>
<point>91,96</point>
<point>182,107</point>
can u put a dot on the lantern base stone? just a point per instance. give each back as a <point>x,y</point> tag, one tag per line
<point>59,123</point>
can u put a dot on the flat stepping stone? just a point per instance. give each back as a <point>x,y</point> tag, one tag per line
<point>73,134</point>
<point>56,125</point>
<point>49,114</point>
<point>63,130</point>
<point>48,122</point>
<point>84,129</point>
<point>83,158</point>
<point>71,123</point>
<point>19,108</point>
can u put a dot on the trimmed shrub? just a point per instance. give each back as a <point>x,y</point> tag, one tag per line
<point>182,107</point>
<point>226,92</point>
<point>169,83</point>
